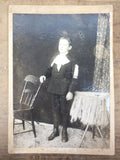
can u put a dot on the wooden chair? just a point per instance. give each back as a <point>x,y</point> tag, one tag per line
<point>26,104</point>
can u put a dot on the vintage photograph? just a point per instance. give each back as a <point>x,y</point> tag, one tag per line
<point>61,80</point>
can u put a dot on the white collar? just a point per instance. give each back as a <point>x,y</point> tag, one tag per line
<point>60,60</point>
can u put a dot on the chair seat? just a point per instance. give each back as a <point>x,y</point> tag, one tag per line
<point>22,110</point>
<point>16,106</point>
<point>23,107</point>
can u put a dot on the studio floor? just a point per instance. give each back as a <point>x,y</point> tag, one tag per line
<point>43,130</point>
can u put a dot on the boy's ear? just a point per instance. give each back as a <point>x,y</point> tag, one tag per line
<point>70,47</point>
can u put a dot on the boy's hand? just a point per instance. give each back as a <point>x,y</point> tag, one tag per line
<point>69,96</point>
<point>42,79</point>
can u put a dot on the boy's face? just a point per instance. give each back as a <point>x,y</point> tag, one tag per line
<point>63,46</point>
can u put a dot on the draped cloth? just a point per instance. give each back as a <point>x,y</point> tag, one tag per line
<point>101,78</point>
<point>90,108</point>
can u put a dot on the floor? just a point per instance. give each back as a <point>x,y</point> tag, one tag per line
<point>43,130</point>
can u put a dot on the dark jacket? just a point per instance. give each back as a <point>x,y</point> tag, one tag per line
<point>61,82</point>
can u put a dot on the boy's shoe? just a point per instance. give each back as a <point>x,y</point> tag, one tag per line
<point>64,135</point>
<point>54,134</point>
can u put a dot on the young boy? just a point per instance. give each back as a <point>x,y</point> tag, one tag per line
<point>63,79</point>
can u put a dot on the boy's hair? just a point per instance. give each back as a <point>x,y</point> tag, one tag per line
<point>66,38</point>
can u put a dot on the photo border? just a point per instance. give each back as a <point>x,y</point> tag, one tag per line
<point>60,9</point>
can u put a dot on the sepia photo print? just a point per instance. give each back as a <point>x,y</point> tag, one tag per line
<point>61,89</point>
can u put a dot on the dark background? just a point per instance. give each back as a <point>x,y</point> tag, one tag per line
<point>35,44</point>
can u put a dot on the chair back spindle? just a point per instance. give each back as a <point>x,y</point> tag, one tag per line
<point>30,91</point>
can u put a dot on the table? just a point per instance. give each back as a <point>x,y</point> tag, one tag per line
<point>92,109</point>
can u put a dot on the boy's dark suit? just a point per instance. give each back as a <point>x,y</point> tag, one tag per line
<point>61,82</point>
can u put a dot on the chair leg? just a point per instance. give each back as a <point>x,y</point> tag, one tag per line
<point>93,130</point>
<point>23,123</point>
<point>33,125</point>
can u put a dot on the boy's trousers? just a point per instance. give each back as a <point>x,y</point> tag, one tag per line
<point>60,110</point>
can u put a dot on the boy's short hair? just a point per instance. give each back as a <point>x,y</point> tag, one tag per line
<point>66,38</point>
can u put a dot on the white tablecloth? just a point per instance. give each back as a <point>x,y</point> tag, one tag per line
<point>91,108</point>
